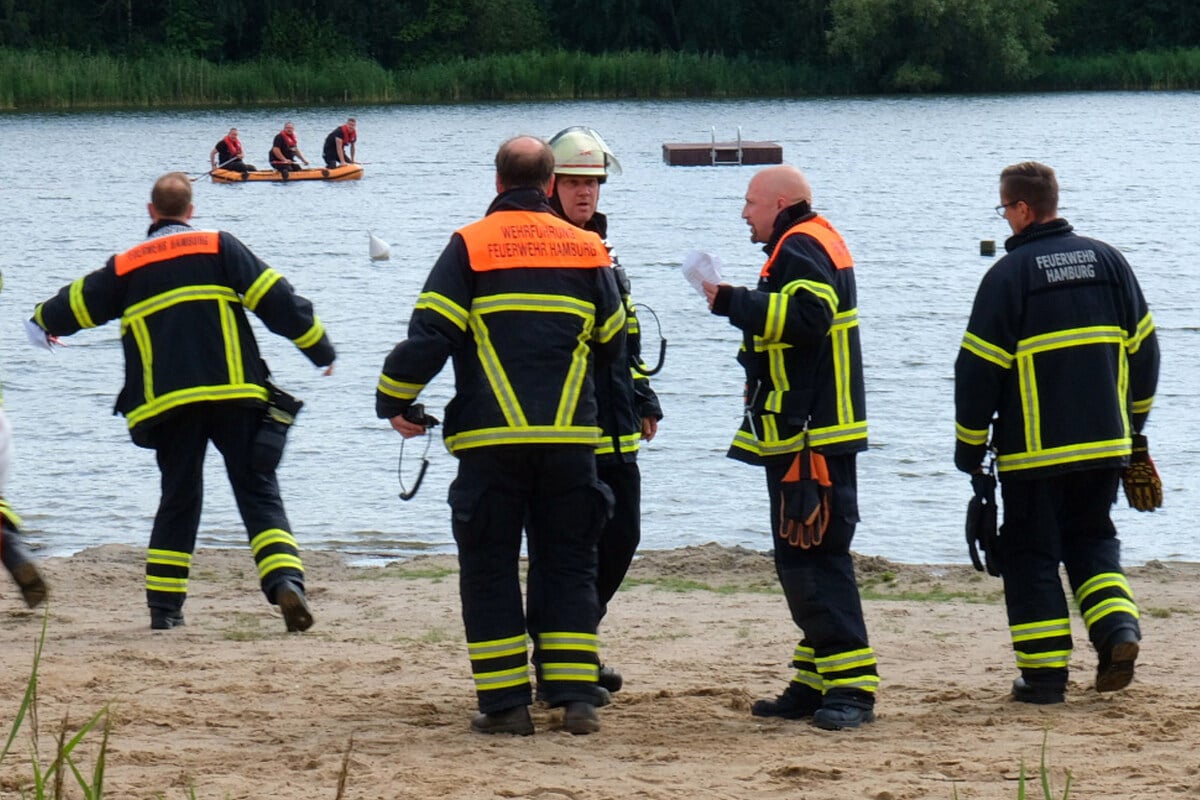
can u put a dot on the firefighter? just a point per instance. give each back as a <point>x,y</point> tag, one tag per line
<point>1060,362</point>
<point>193,374</point>
<point>13,552</point>
<point>805,406</point>
<point>628,408</point>
<point>520,300</point>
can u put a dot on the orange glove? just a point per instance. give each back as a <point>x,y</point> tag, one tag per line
<point>1143,487</point>
<point>804,501</point>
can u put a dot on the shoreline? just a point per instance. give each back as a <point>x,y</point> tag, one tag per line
<point>231,706</point>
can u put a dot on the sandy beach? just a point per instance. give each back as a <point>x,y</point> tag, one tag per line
<point>231,706</point>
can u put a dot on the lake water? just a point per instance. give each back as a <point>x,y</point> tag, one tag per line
<point>910,182</point>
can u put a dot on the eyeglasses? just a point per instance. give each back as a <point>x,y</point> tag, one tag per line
<point>1003,207</point>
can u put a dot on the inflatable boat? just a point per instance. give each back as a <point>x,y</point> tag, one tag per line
<point>346,172</point>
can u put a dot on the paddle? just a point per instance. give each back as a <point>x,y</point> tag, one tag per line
<point>214,169</point>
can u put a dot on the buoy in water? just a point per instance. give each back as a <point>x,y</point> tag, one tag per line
<point>380,251</point>
<point>987,247</point>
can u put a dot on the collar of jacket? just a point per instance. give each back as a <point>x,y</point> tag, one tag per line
<point>1038,230</point>
<point>155,227</point>
<point>525,198</point>
<point>785,220</point>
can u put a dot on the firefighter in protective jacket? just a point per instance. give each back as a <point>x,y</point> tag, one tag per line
<point>193,374</point>
<point>521,300</point>
<point>804,392</point>
<point>1060,362</point>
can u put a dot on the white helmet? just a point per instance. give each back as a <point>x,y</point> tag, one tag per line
<point>579,150</point>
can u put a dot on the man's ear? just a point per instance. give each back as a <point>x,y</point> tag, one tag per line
<point>550,186</point>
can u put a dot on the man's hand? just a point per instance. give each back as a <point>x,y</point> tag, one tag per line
<point>649,428</point>
<point>710,292</point>
<point>405,428</point>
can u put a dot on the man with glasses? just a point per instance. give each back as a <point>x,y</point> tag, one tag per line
<point>1059,363</point>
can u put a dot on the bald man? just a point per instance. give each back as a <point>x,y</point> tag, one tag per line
<point>523,302</point>
<point>806,418</point>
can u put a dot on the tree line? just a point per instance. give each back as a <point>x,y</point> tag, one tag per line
<point>889,45</point>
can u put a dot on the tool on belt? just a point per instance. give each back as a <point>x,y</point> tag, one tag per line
<point>983,535</point>
<point>416,415</point>
<point>1143,487</point>
<point>805,495</point>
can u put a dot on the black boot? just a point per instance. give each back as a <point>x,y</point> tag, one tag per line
<point>515,720</point>
<point>163,619</point>
<point>610,679</point>
<point>1117,657</point>
<point>580,718</point>
<point>294,606</point>
<point>796,702</point>
<point>1040,694</point>
<point>836,716</point>
<point>15,557</point>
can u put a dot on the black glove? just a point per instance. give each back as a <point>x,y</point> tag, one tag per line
<point>805,501</point>
<point>982,534</point>
<point>1143,487</point>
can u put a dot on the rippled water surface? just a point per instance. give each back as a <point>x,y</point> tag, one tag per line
<point>910,182</point>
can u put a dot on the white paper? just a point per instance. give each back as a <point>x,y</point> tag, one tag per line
<point>37,336</point>
<point>700,266</point>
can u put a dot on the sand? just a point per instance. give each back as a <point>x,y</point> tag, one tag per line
<point>232,706</point>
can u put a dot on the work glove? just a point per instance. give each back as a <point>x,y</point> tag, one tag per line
<point>804,506</point>
<point>1143,487</point>
<point>983,536</point>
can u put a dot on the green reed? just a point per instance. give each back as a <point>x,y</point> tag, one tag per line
<point>1161,69</point>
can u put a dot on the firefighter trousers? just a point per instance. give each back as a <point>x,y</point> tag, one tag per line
<point>496,491</point>
<point>623,532</point>
<point>834,658</point>
<point>1063,519</point>
<point>180,443</point>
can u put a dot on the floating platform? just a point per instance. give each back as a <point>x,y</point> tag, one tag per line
<point>714,153</point>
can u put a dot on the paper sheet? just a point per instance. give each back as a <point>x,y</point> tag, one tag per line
<point>700,266</point>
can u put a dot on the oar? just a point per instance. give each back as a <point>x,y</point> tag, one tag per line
<point>214,169</point>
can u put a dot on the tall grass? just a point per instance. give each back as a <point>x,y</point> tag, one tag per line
<point>1164,69</point>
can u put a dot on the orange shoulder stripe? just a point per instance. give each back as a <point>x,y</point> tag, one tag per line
<point>830,240</point>
<point>164,247</point>
<point>512,239</point>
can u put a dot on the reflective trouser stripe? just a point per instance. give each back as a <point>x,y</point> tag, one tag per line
<point>852,669</point>
<point>167,571</point>
<point>1043,644</point>
<point>806,668</point>
<point>275,549</point>
<point>499,663</point>
<point>575,656</point>
<point>1105,594</point>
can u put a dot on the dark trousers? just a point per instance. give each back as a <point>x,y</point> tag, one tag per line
<point>180,443</point>
<point>1061,520</point>
<point>496,491</point>
<point>834,657</point>
<point>623,532</point>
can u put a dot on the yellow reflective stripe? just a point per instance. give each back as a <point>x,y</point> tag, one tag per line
<point>272,536</point>
<point>157,583</point>
<point>1143,406</point>
<point>970,435</point>
<point>1144,329</point>
<point>1113,605</point>
<point>629,443</point>
<point>568,401</point>
<point>611,326</point>
<point>777,305</point>
<point>840,337</point>
<point>568,640</point>
<point>770,445</point>
<point>987,351</point>
<point>1071,337</point>
<point>262,284</point>
<point>141,337</point>
<point>777,369</point>
<point>489,361</point>
<point>502,679</point>
<point>311,336</point>
<point>803,653</point>
<point>233,344</point>
<point>529,434</point>
<point>1105,580</point>
<point>79,306</point>
<point>567,671</point>
<point>440,304</point>
<point>7,513</point>
<point>850,659</point>
<point>399,389</point>
<point>169,558</point>
<point>1123,389</point>
<point>37,316</point>
<point>823,291</point>
<point>496,648</point>
<point>1049,660</point>
<point>540,303</point>
<point>1027,383</point>
<point>195,394</point>
<point>1067,454</point>
<point>836,434</point>
<point>279,561</point>
<point>1043,629</point>
<point>809,679</point>
<point>864,683</point>
<point>185,294</point>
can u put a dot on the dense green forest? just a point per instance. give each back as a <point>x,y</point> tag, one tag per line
<point>804,46</point>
